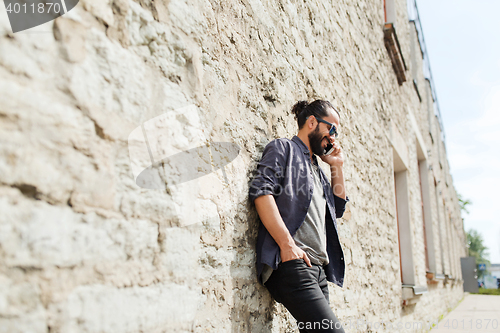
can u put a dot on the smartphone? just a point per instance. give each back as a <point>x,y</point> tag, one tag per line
<point>328,150</point>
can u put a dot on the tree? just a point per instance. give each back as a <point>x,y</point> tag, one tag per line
<point>475,241</point>
<point>477,250</point>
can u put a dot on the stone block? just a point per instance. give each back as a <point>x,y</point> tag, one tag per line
<point>99,308</point>
<point>21,309</point>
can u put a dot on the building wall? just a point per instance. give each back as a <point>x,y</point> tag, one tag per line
<point>84,249</point>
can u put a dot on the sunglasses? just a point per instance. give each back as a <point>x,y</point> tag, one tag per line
<point>333,129</point>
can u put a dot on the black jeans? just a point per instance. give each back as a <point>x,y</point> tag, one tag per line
<point>303,290</point>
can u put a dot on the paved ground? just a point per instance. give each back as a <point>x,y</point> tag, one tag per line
<point>476,314</point>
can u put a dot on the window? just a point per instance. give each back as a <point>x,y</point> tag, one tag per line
<point>403,221</point>
<point>438,207</point>
<point>392,43</point>
<point>425,202</point>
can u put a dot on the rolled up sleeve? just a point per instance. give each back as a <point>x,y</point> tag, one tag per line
<point>340,205</point>
<point>270,171</point>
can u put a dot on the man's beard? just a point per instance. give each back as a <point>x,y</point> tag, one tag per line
<point>315,140</point>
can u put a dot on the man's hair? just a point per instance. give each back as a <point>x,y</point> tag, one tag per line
<point>318,108</point>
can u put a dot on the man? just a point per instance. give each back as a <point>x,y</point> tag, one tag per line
<point>298,248</point>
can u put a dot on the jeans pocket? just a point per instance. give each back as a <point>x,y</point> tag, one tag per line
<point>292,262</point>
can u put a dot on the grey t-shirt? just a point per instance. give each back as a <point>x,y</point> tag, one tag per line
<point>311,236</point>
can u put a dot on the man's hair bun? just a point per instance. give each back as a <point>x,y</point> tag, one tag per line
<point>299,107</point>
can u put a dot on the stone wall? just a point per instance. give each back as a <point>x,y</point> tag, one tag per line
<point>83,248</point>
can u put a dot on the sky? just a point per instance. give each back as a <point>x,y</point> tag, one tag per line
<point>463,42</point>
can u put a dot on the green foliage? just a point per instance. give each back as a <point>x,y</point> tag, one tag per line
<point>483,291</point>
<point>463,203</point>
<point>475,241</point>
<point>477,249</point>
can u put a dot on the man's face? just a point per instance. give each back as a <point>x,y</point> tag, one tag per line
<point>319,138</point>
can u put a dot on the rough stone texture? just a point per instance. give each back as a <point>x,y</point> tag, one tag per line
<point>84,249</point>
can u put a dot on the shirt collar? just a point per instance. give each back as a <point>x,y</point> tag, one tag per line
<point>303,147</point>
<point>301,144</point>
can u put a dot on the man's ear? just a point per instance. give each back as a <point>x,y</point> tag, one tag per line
<point>310,122</point>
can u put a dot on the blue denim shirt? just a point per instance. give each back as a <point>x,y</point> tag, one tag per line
<point>285,172</point>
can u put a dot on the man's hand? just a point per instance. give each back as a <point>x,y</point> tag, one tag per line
<point>294,252</point>
<point>271,218</point>
<point>336,158</point>
<point>336,162</point>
